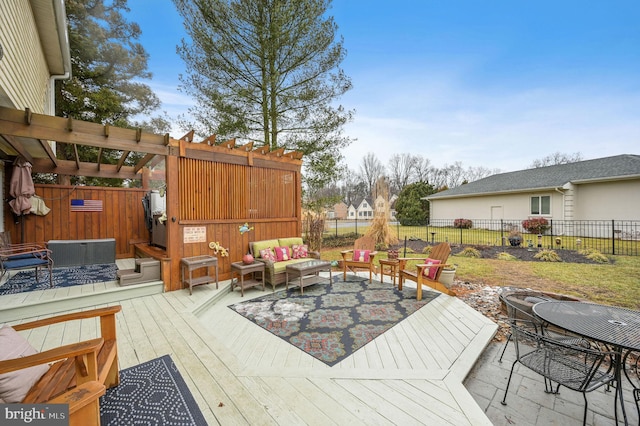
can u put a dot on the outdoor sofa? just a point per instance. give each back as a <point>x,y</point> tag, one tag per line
<point>275,272</point>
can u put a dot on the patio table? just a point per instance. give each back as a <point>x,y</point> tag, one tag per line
<point>306,270</point>
<point>618,328</point>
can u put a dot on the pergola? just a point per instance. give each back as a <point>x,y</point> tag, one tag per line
<point>31,136</point>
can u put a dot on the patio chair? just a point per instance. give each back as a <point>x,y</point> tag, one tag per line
<point>361,257</point>
<point>574,367</point>
<point>515,313</point>
<point>24,256</point>
<point>428,272</point>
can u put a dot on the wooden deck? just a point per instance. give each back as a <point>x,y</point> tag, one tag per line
<point>242,374</point>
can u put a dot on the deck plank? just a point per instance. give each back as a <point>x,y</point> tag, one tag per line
<point>240,373</point>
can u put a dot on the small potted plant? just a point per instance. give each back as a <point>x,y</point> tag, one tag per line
<point>515,238</point>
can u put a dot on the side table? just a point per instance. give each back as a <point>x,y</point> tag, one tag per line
<point>197,262</point>
<point>242,269</point>
<point>389,267</point>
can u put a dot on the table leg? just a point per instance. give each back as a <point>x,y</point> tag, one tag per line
<point>301,288</point>
<point>330,278</point>
<point>618,395</point>
<point>286,281</point>
<point>263,280</point>
<point>241,283</point>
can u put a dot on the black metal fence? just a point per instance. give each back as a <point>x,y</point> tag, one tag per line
<point>619,237</point>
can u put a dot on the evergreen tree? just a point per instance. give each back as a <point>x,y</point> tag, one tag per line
<point>267,70</point>
<point>411,210</point>
<point>106,65</point>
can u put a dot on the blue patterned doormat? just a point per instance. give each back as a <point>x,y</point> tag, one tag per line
<point>62,277</point>
<point>331,322</point>
<point>151,393</point>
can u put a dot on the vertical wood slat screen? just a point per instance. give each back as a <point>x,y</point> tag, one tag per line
<point>217,191</point>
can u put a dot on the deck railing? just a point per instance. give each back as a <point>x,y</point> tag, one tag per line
<point>618,237</point>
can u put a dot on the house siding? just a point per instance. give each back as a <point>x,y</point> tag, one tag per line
<point>24,73</point>
<point>510,206</point>
<point>618,200</point>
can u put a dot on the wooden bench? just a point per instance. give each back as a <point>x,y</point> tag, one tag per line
<point>80,372</point>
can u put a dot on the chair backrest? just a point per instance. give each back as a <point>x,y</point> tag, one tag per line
<point>5,239</point>
<point>575,367</point>
<point>364,243</point>
<point>440,252</point>
<point>520,316</point>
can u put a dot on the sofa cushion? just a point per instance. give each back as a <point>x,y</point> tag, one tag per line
<point>268,254</point>
<point>283,253</point>
<point>289,242</point>
<point>261,245</point>
<point>279,267</point>
<point>15,384</point>
<point>299,251</point>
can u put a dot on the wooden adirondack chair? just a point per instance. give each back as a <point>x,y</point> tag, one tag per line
<point>348,261</point>
<point>441,253</point>
<point>79,373</point>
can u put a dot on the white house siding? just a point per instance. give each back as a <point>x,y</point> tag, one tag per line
<point>24,74</point>
<point>619,200</point>
<point>511,206</point>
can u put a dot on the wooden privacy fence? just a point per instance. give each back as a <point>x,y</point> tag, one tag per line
<point>114,213</point>
<point>218,194</point>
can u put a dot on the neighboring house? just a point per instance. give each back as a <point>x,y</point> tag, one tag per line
<point>361,209</point>
<point>383,205</point>
<point>35,46</point>
<point>601,189</point>
<point>338,211</point>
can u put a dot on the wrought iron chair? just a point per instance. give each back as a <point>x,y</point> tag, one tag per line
<point>515,312</point>
<point>575,367</point>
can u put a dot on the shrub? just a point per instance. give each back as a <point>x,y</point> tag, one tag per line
<point>505,256</point>
<point>594,255</point>
<point>470,252</point>
<point>537,225</point>
<point>463,223</point>
<point>598,257</point>
<point>548,256</point>
<point>426,250</point>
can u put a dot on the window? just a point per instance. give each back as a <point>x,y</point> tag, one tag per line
<point>541,205</point>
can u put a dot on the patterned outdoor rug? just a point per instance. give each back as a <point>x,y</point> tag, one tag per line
<point>331,322</point>
<point>152,393</point>
<point>62,277</point>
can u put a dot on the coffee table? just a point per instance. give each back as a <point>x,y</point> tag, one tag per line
<point>307,272</point>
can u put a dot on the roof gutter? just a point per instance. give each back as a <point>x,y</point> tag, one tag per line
<point>561,191</point>
<point>63,38</point>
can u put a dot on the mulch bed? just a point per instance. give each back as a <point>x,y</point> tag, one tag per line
<point>490,252</point>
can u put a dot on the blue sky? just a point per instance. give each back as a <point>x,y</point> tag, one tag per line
<point>495,84</point>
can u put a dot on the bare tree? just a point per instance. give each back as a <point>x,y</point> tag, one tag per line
<point>477,173</point>
<point>401,171</point>
<point>555,159</point>
<point>371,169</point>
<point>422,169</point>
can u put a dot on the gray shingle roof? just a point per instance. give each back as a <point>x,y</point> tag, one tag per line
<point>617,167</point>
